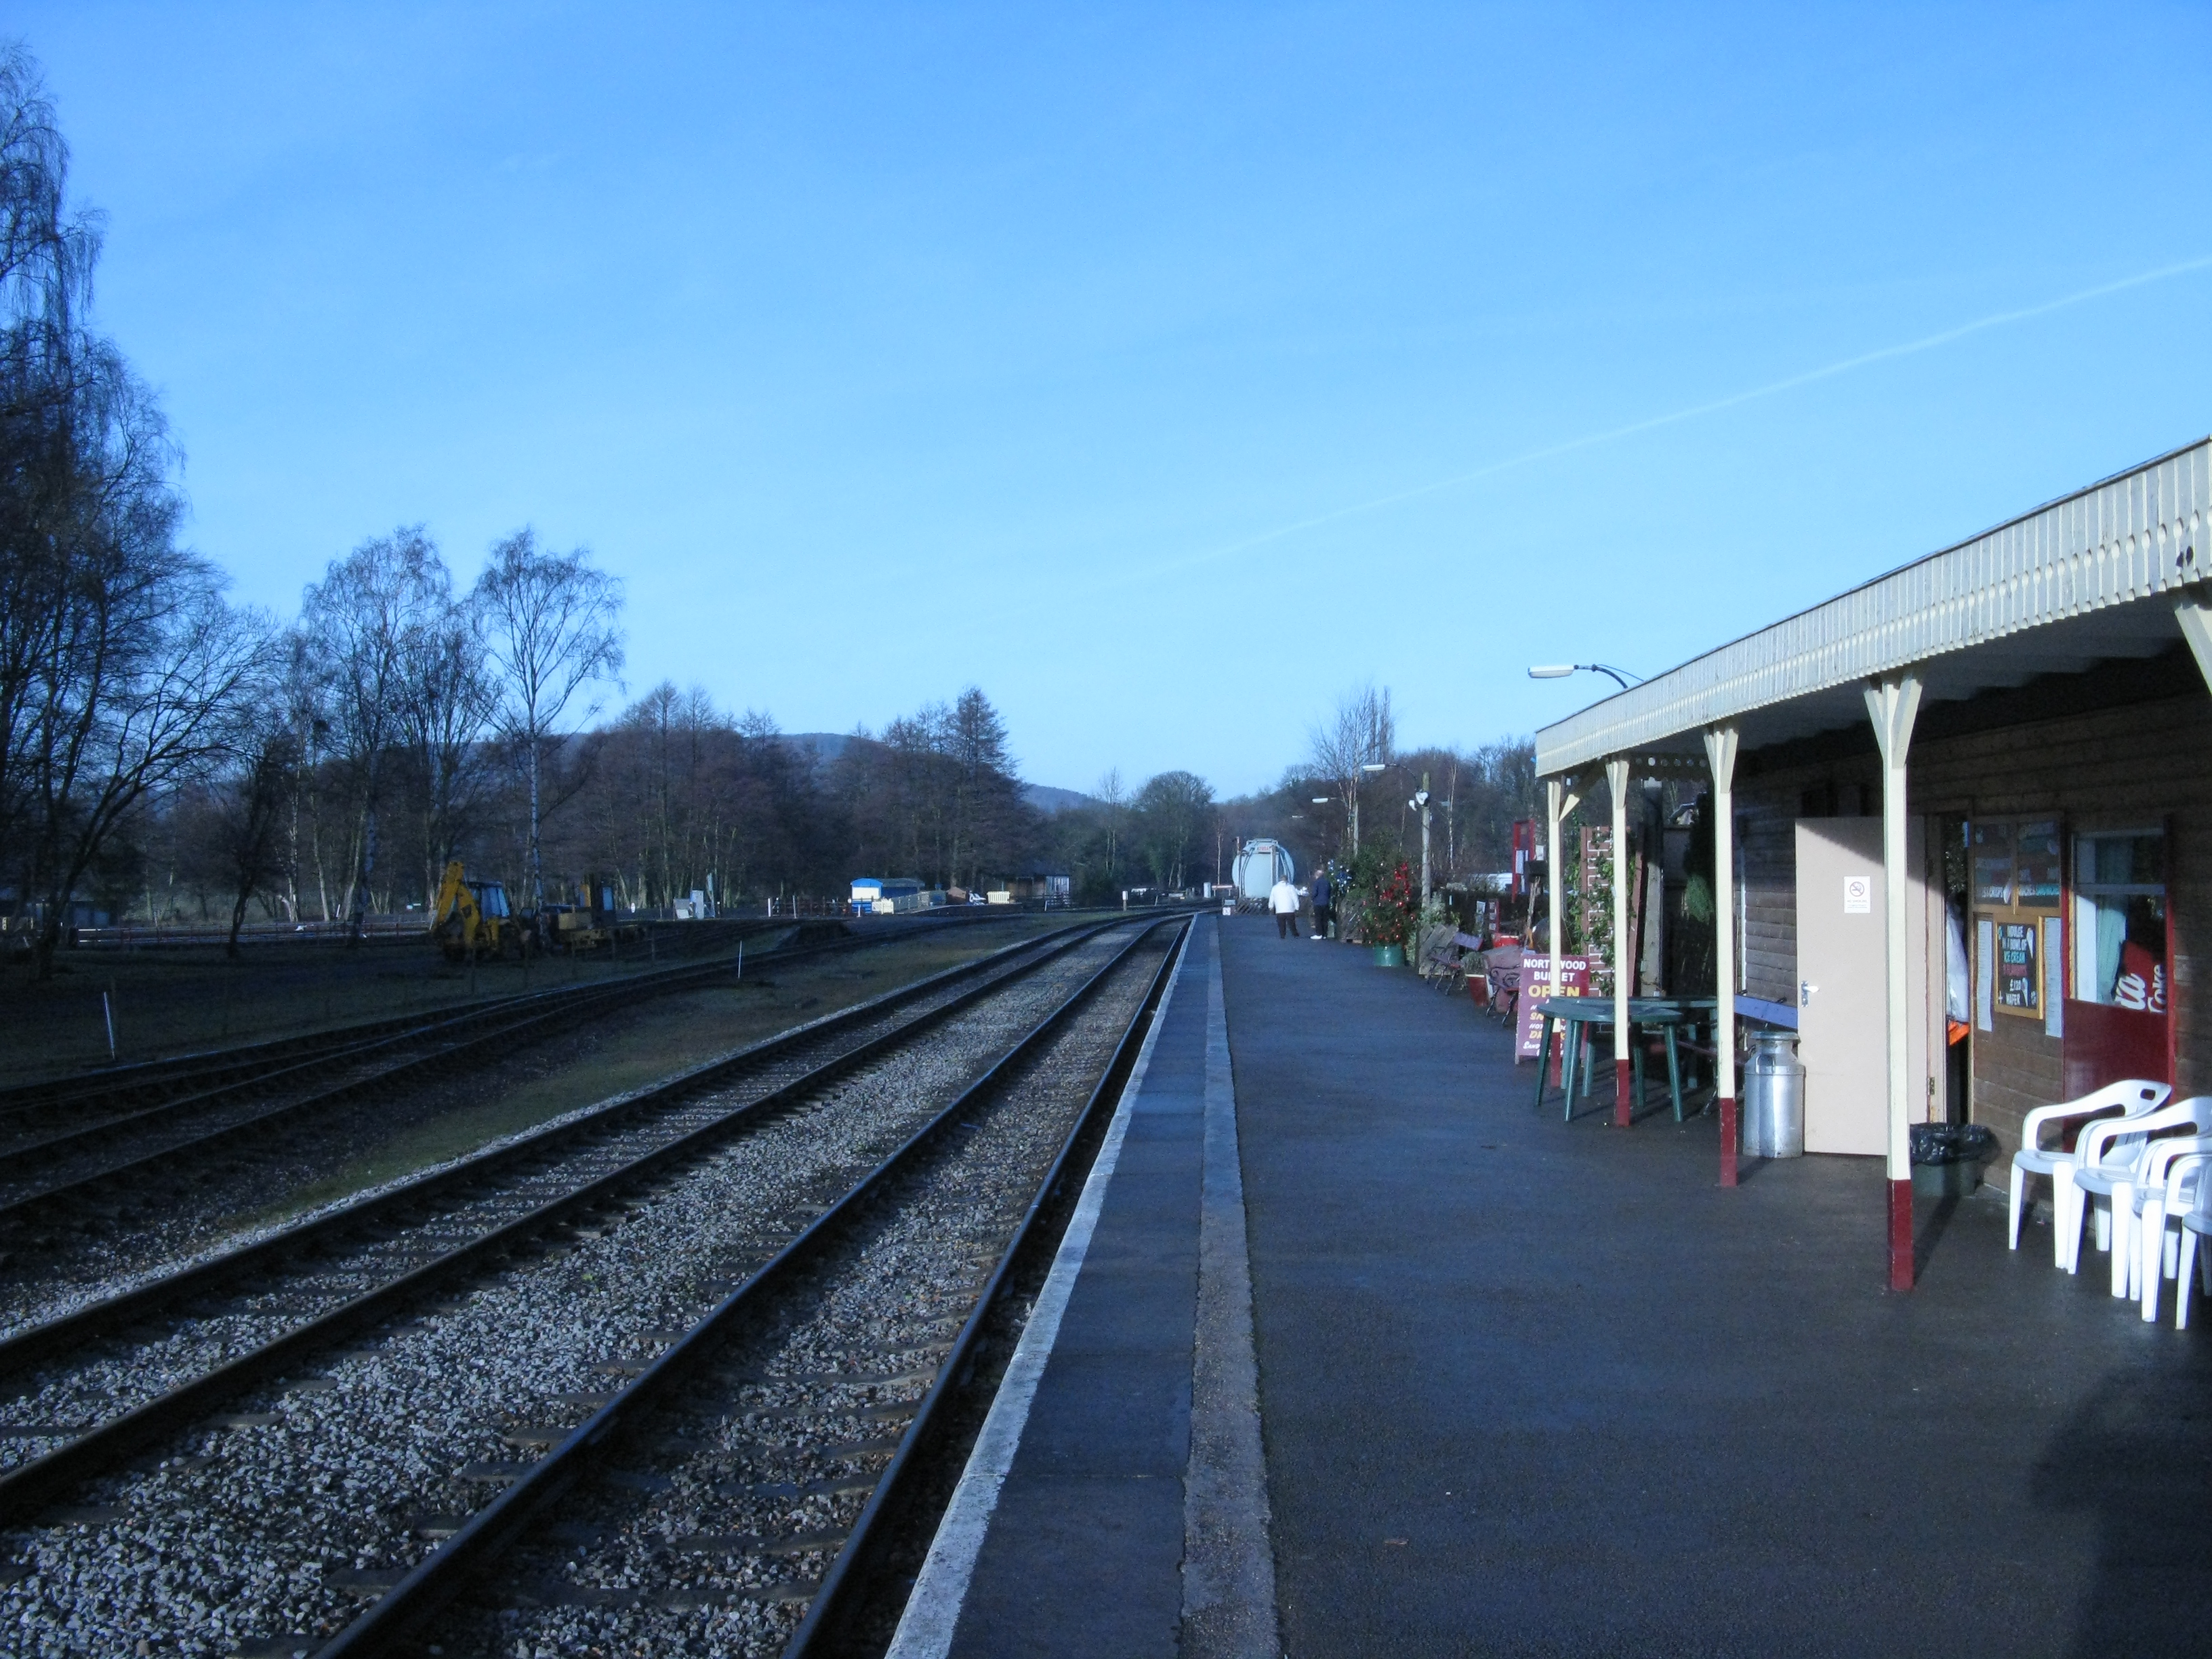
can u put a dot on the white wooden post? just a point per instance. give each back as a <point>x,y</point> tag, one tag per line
<point>1892,705</point>
<point>1616,781</point>
<point>1720,756</point>
<point>1561,796</point>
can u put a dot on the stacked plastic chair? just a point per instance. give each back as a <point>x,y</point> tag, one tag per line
<point>2133,1098</point>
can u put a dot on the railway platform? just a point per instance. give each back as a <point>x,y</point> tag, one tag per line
<point>1525,1386</point>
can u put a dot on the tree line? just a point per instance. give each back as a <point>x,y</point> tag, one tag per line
<point>167,755</point>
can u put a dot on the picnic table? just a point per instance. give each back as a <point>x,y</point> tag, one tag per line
<point>1579,1018</point>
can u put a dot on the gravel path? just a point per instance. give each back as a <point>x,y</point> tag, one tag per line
<point>274,1519</point>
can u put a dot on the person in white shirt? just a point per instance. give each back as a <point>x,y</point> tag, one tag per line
<point>1283,900</point>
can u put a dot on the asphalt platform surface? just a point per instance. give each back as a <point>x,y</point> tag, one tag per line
<point>1530,1387</point>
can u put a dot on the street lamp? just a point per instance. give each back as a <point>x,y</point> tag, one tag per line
<point>1559,671</point>
<point>1421,801</point>
<point>1367,766</point>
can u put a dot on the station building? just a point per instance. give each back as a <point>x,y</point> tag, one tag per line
<point>1962,819</point>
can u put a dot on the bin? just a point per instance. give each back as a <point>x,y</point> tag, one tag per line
<point>1774,1097</point>
<point>1948,1158</point>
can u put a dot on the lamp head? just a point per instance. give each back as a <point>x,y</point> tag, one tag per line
<point>1551,671</point>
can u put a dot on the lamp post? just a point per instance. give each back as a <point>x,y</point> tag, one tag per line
<point>1559,671</point>
<point>1370,766</point>
<point>1421,801</point>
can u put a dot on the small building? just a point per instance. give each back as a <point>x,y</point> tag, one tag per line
<point>1961,819</point>
<point>1046,885</point>
<point>886,895</point>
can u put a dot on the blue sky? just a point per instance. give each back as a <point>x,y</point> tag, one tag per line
<point>1111,358</point>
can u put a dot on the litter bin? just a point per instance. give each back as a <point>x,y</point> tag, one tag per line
<point>1774,1097</point>
<point>1948,1158</point>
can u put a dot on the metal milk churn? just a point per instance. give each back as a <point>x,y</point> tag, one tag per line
<point>1774,1097</point>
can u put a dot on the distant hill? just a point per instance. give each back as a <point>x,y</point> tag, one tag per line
<point>1048,801</point>
<point>828,745</point>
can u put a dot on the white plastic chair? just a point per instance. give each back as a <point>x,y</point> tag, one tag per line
<point>2175,1185</point>
<point>2134,1097</point>
<point>2196,1222</point>
<point>2110,1160</point>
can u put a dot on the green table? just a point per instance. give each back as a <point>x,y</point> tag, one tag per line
<point>1579,1018</point>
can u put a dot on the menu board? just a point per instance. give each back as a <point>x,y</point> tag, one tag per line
<point>2017,864</point>
<point>2037,871</point>
<point>2018,987</point>
<point>1536,984</point>
<point>1993,864</point>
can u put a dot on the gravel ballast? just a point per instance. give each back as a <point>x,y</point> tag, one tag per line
<point>307,1496</point>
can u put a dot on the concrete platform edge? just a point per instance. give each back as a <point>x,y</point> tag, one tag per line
<point>1229,1565</point>
<point>933,1610</point>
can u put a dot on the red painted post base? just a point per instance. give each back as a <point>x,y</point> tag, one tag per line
<point>1727,1140</point>
<point>1623,1090</point>
<point>1900,1234</point>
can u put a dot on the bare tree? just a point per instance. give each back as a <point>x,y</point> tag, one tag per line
<point>251,806</point>
<point>1175,807</point>
<point>550,625</point>
<point>1114,795</point>
<point>121,667</point>
<point>364,624</point>
<point>1360,733</point>
<point>447,705</point>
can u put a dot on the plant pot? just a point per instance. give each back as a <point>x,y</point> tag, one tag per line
<point>1389,956</point>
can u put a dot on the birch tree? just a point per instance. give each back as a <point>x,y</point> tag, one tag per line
<point>551,628</point>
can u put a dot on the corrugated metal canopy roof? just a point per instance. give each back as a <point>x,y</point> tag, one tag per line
<point>2087,578</point>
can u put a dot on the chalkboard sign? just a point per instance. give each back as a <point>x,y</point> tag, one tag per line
<point>2038,863</point>
<point>1993,864</point>
<point>2020,984</point>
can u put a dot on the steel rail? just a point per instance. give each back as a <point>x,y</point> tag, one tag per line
<point>100,1449</point>
<point>29,1346</point>
<point>594,1000</point>
<point>148,1076</point>
<point>835,1602</point>
<point>401,1612</point>
<point>244,1061</point>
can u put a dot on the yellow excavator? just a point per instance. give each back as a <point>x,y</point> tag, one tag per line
<point>473,921</point>
<point>579,929</point>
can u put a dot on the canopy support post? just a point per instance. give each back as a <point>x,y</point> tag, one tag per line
<point>1892,704</point>
<point>1561,796</point>
<point>1720,756</point>
<point>1616,783</point>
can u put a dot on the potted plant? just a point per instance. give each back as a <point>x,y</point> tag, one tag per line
<point>1390,915</point>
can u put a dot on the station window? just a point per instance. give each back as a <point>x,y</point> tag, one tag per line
<point>2119,920</point>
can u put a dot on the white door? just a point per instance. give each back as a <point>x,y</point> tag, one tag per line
<point>1842,981</point>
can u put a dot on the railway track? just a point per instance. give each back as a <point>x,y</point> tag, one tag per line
<point>60,1151</point>
<point>767,1146</point>
<point>151,1082</point>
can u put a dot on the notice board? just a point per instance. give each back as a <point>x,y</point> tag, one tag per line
<point>2020,938</point>
<point>2019,981</point>
<point>1536,984</point>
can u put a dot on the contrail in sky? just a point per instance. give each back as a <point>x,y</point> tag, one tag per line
<point>1927,342</point>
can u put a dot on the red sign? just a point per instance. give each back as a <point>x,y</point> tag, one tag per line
<point>1524,854</point>
<point>1536,985</point>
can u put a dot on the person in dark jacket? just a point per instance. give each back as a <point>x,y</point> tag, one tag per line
<point>1324,903</point>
